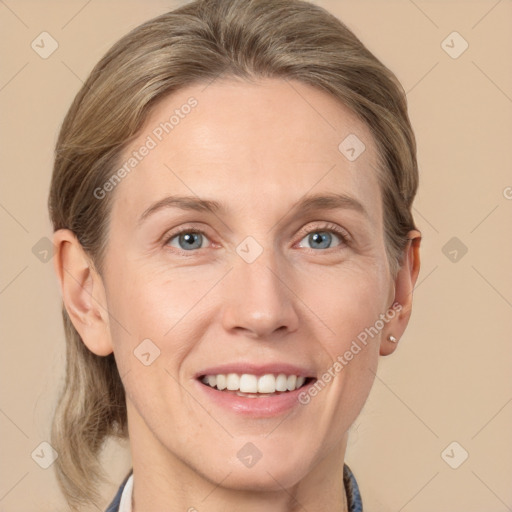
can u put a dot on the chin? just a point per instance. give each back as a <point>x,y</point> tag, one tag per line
<point>264,479</point>
<point>269,473</point>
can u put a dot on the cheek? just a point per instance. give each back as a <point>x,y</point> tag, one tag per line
<point>150,301</point>
<point>364,300</point>
<point>348,300</point>
<point>147,348</point>
<point>164,307</point>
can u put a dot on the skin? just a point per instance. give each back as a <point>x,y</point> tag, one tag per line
<point>256,148</point>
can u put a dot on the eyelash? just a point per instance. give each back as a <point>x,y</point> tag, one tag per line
<point>344,236</point>
<point>329,228</point>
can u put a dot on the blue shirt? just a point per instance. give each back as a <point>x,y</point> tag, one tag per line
<point>355,503</point>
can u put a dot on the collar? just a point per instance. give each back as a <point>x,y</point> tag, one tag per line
<point>122,501</point>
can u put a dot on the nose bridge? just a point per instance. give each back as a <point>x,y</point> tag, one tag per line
<point>258,299</point>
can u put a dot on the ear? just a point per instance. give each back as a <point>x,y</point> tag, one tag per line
<point>404,285</point>
<point>83,292</point>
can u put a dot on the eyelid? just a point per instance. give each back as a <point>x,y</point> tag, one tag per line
<point>344,235</point>
<point>187,228</point>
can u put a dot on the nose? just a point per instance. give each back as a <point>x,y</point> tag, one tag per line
<point>258,300</point>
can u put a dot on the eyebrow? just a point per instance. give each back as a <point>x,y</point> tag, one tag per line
<point>306,205</point>
<point>184,203</point>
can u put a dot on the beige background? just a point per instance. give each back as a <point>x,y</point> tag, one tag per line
<point>449,380</point>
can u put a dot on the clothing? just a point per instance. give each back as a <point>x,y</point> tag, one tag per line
<point>123,499</point>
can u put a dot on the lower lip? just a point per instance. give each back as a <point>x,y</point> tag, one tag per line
<point>262,406</point>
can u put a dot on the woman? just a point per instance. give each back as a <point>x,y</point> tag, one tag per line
<point>231,200</point>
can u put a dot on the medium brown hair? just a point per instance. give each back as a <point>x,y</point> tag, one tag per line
<point>203,40</point>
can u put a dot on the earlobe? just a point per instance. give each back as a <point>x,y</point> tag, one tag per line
<point>404,285</point>
<point>83,292</point>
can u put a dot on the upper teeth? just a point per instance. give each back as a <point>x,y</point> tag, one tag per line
<point>247,383</point>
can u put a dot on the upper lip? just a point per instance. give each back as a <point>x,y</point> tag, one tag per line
<point>256,369</point>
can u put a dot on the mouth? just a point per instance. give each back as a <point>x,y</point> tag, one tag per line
<point>253,390</point>
<point>249,385</point>
<point>253,386</point>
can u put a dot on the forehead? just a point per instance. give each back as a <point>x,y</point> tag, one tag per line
<point>249,144</point>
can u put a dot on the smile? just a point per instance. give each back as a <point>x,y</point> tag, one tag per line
<point>255,391</point>
<point>251,386</point>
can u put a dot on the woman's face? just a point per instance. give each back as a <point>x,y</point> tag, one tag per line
<point>252,274</point>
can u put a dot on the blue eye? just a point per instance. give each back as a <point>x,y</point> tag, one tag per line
<point>321,239</point>
<point>187,240</point>
<point>325,237</point>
